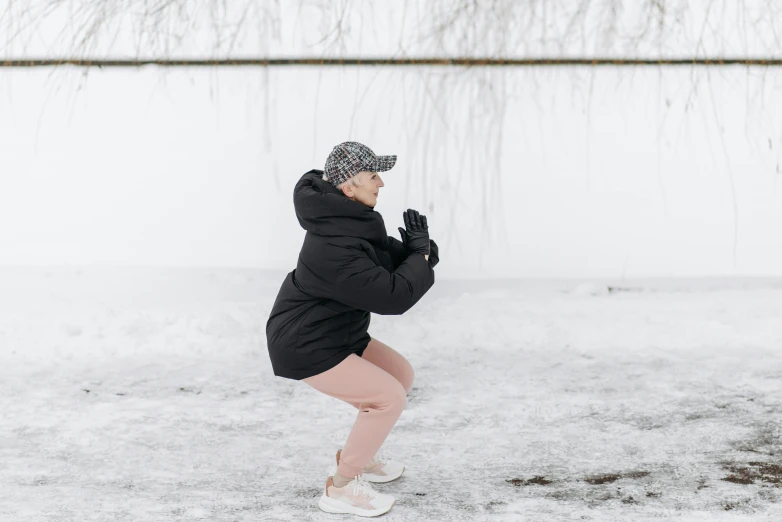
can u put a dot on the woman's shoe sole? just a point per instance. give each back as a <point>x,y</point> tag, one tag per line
<point>330,505</point>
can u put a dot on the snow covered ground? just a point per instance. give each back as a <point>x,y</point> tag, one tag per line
<point>147,394</point>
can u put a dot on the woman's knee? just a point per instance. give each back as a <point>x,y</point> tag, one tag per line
<point>397,397</point>
<point>411,377</point>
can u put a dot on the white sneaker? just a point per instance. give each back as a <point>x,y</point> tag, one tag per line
<point>356,497</point>
<point>380,469</point>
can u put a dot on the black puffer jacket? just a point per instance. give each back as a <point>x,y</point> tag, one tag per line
<point>348,267</point>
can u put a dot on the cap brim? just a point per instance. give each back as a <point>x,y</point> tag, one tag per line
<point>383,163</point>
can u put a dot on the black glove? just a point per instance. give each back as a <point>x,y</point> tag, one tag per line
<point>434,256</point>
<point>416,237</point>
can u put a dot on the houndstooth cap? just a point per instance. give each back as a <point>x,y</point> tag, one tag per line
<point>349,158</point>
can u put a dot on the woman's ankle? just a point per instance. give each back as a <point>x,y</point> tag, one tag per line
<point>339,480</point>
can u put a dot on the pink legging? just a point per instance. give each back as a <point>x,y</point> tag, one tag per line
<point>376,384</point>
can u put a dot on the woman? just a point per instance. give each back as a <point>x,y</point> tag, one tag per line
<point>349,267</point>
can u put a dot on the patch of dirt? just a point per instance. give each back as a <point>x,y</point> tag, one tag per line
<point>537,479</point>
<point>752,471</point>
<point>613,477</point>
<point>602,479</point>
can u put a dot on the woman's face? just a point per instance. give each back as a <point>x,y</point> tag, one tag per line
<point>368,191</point>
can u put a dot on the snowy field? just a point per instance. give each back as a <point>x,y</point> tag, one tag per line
<point>147,394</point>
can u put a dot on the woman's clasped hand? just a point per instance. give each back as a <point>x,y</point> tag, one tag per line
<point>415,236</point>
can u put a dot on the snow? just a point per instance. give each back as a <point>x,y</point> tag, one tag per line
<point>136,393</point>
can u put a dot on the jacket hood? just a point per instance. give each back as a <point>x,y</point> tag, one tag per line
<point>323,209</point>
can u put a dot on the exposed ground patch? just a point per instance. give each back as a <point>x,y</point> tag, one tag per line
<point>754,471</point>
<point>537,479</point>
<point>613,477</point>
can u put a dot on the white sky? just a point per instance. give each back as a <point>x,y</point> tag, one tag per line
<point>194,167</point>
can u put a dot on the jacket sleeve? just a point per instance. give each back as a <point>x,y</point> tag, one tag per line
<point>397,250</point>
<point>366,286</point>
